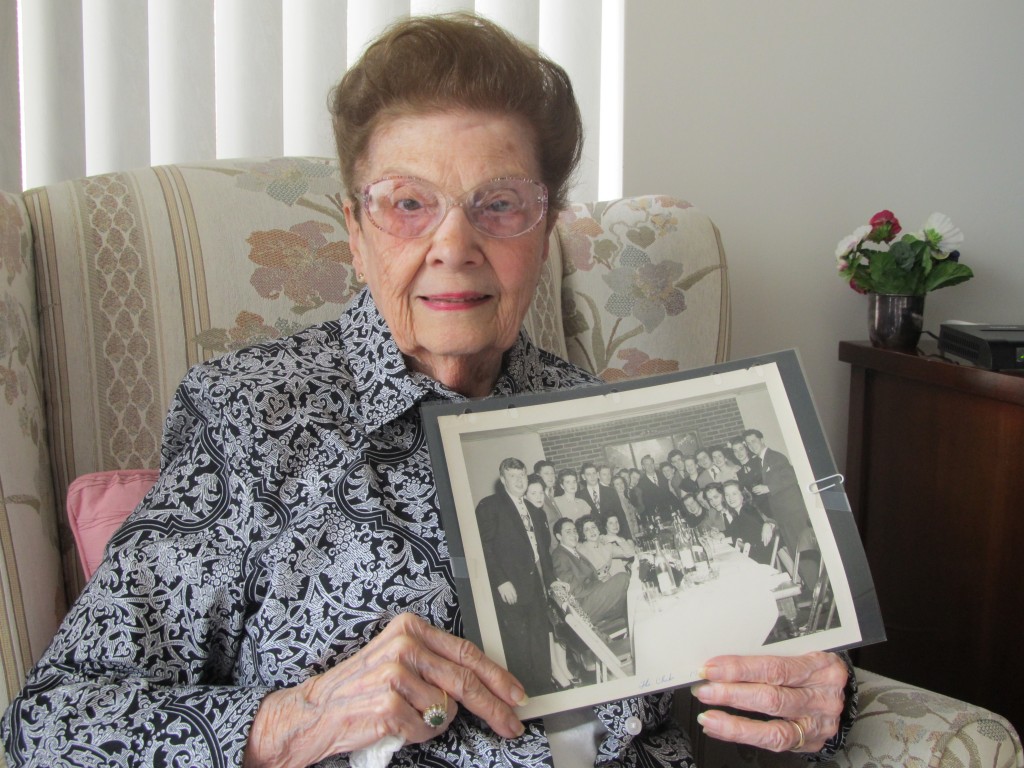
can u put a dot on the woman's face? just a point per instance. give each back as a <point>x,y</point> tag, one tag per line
<point>733,497</point>
<point>619,484</point>
<point>535,494</point>
<point>590,531</point>
<point>718,458</point>
<point>714,497</point>
<point>612,525</point>
<point>569,484</point>
<point>454,300</point>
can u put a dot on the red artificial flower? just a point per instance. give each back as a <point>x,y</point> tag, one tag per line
<point>884,227</point>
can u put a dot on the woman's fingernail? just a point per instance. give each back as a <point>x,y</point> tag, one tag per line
<point>518,728</point>
<point>703,691</point>
<point>519,696</point>
<point>702,718</point>
<point>703,672</point>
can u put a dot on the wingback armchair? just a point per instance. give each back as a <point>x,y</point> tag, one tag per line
<point>112,286</point>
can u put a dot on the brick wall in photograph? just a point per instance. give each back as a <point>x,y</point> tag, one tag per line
<point>713,423</point>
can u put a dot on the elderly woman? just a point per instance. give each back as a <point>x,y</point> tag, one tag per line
<point>283,595</point>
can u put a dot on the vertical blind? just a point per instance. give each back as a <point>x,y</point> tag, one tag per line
<point>91,86</point>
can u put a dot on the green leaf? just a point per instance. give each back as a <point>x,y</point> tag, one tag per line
<point>596,333</point>
<point>213,339</point>
<point>641,236</point>
<point>901,254</point>
<point>946,273</point>
<point>597,209</point>
<point>604,251</point>
<point>687,282</point>
<point>887,276</point>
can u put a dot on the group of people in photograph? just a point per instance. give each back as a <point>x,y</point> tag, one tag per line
<point>580,528</point>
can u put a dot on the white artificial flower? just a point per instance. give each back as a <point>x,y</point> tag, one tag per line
<point>949,236</point>
<point>870,245</point>
<point>850,242</point>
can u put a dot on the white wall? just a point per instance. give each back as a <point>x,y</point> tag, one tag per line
<point>792,122</point>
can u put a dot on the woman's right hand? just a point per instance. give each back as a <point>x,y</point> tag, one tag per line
<point>382,691</point>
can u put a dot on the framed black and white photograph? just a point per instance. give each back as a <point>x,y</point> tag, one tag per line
<point>610,540</point>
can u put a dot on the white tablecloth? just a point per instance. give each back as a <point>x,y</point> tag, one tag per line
<point>673,635</point>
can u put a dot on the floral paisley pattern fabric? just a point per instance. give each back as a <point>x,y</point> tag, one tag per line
<point>294,516</point>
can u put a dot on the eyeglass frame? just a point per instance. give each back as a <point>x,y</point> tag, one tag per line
<point>459,202</point>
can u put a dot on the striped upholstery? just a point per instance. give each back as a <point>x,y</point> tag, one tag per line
<point>32,596</point>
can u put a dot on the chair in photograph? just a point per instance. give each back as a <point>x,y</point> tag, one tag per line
<point>821,599</point>
<point>590,643</point>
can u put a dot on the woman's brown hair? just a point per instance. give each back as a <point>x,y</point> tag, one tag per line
<point>457,61</point>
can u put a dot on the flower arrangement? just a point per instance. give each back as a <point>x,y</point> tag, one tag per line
<point>874,261</point>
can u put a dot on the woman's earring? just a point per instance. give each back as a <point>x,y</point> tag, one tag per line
<point>360,277</point>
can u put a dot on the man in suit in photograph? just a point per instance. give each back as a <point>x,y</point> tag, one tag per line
<point>685,479</point>
<point>547,473</point>
<point>749,473</point>
<point>545,470</point>
<point>516,547</point>
<point>602,500</point>
<point>779,484</point>
<point>659,501</point>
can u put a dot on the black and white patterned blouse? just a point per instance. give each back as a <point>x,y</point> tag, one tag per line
<point>295,515</point>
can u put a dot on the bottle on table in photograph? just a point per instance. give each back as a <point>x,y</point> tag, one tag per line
<point>684,541</point>
<point>666,583</point>
<point>702,566</point>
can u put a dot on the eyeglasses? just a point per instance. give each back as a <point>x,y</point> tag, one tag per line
<point>405,206</point>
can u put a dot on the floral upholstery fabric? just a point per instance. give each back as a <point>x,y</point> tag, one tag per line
<point>141,274</point>
<point>645,288</point>
<point>899,726</point>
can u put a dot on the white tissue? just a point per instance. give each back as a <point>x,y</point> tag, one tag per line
<point>376,755</point>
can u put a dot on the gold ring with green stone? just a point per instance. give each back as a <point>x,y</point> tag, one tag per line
<point>436,714</point>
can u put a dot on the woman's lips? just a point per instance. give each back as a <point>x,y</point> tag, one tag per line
<point>454,302</point>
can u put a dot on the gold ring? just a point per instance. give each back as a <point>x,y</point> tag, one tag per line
<point>800,733</point>
<point>436,714</point>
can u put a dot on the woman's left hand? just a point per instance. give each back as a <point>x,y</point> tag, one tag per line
<point>803,693</point>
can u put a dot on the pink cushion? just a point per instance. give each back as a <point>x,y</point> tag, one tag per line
<point>97,505</point>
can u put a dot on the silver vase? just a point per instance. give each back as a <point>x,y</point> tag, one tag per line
<point>895,321</point>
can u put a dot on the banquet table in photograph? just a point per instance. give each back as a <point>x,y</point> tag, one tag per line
<point>732,612</point>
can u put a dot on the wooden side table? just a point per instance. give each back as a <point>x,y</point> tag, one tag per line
<point>935,476</point>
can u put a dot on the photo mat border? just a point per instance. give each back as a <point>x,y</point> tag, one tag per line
<point>448,424</point>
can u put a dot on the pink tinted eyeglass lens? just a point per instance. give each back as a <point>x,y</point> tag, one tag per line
<point>408,207</point>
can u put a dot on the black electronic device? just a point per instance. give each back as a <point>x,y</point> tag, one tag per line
<point>995,347</point>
